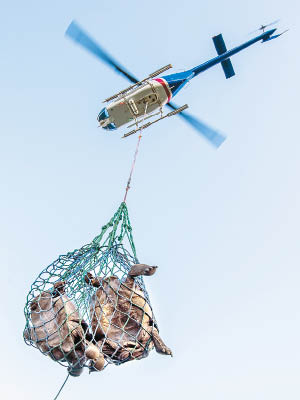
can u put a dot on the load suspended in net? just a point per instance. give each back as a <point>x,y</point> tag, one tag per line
<point>90,307</point>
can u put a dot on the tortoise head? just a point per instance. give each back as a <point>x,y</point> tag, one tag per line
<point>59,288</point>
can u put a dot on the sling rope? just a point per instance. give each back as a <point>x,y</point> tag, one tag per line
<point>135,156</point>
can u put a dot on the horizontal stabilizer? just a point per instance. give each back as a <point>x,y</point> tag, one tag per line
<point>221,49</point>
<point>228,68</point>
<point>219,44</point>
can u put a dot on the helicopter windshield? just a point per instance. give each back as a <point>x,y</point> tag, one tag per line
<point>103,114</point>
<point>103,119</point>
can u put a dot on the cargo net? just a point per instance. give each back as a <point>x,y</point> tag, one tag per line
<point>86,310</point>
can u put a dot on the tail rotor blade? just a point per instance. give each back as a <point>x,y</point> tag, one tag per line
<point>273,23</point>
<point>79,36</point>
<point>283,32</point>
<point>256,30</point>
<point>214,137</point>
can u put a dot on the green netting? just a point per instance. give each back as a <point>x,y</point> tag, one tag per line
<point>88,309</point>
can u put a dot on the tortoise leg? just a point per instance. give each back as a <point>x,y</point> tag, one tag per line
<point>97,359</point>
<point>142,269</point>
<point>91,280</point>
<point>160,347</point>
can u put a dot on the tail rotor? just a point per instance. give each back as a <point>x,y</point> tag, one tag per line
<point>263,27</point>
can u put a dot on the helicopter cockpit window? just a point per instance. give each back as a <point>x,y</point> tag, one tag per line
<point>103,114</point>
<point>151,99</point>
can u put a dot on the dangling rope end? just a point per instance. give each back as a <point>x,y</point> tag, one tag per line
<point>62,386</point>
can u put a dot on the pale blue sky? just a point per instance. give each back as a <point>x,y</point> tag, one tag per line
<point>223,225</point>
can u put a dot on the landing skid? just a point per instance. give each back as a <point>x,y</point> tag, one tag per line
<point>141,120</point>
<point>170,114</point>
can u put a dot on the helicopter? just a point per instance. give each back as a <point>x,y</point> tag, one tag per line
<point>146,98</point>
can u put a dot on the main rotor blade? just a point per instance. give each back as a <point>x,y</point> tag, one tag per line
<point>81,37</point>
<point>214,137</point>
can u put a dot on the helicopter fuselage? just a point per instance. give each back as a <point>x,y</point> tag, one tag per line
<point>133,106</point>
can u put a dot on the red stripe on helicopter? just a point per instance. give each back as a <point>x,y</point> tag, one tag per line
<point>166,87</point>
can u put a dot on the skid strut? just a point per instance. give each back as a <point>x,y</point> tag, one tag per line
<point>149,116</point>
<point>170,114</point>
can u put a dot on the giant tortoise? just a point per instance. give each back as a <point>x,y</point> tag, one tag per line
<point>58,331</point>
<point>122,321</point>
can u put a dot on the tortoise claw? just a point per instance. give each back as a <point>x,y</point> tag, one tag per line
<point>160,347</point>
<point>164,350</point>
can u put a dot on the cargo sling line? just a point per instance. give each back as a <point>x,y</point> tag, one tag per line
<point>135,154</point>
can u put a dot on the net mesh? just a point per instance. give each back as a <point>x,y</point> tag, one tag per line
<point>85,310</point>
